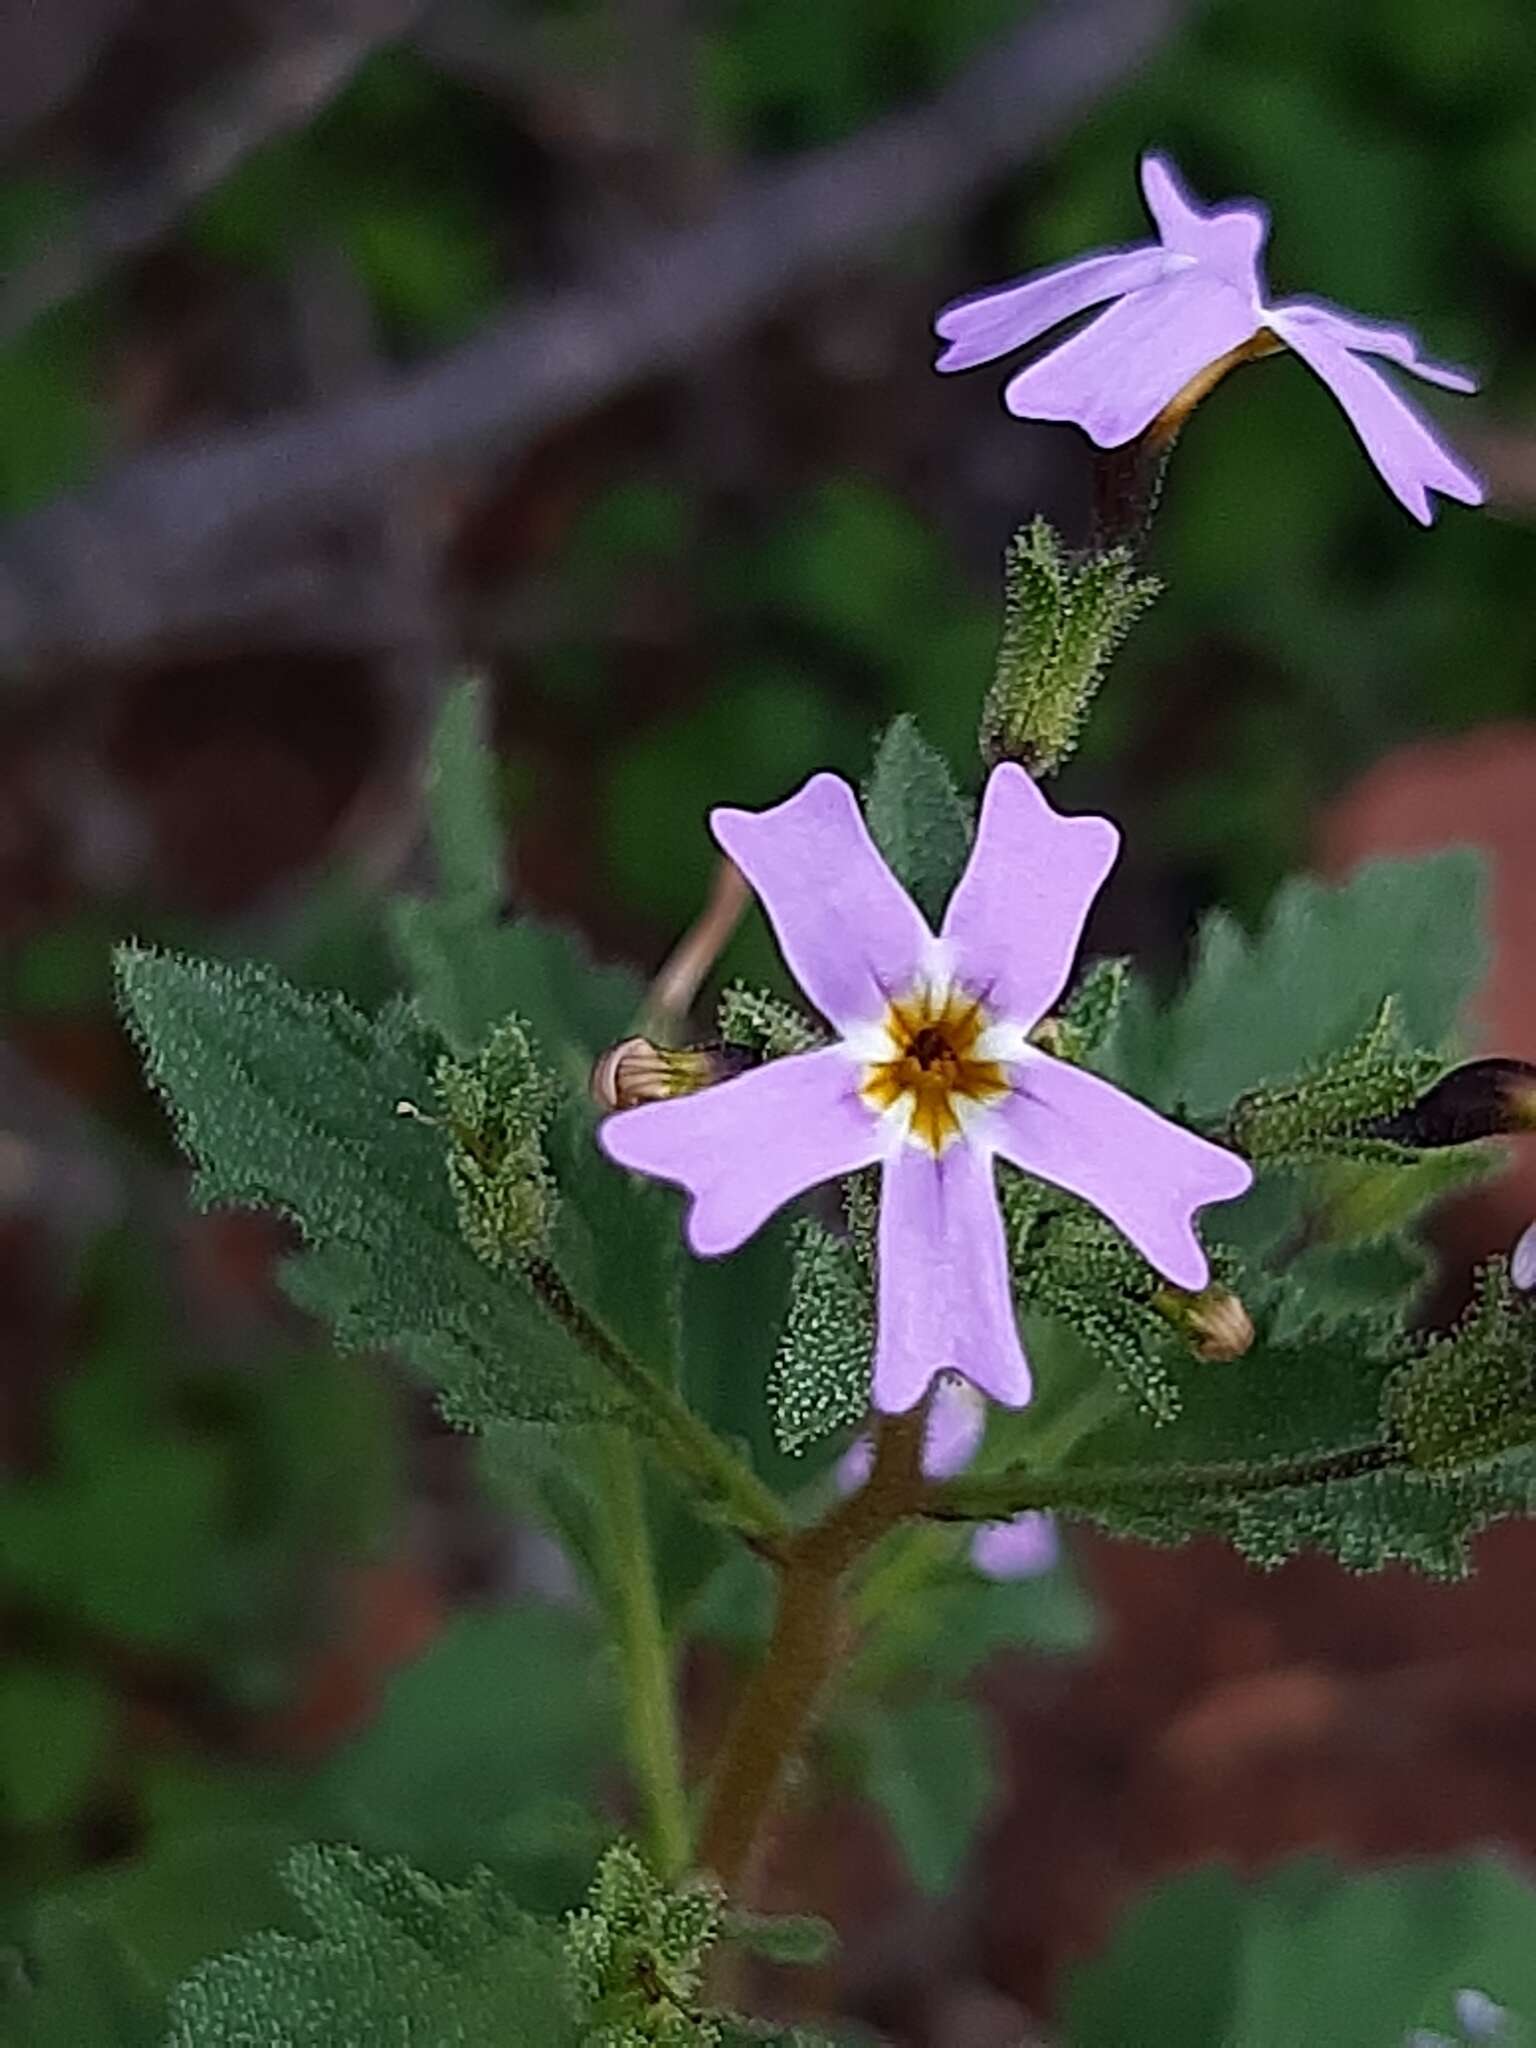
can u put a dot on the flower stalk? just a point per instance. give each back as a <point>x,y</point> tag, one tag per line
<point>645,1657</point>
<point>810,1633</point>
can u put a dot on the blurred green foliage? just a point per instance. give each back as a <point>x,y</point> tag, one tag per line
<point>1311,1954</point>
<point>166,1544</point>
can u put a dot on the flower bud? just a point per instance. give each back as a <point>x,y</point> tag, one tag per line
<point>1214,1322</point>
<point>1483,1099</point>
<point>637,1071</point>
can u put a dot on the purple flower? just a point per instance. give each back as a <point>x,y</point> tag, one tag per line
<point>1181,304</point>
<point>1522,1260</point>
<point>932,1077</point>
<point>1021,1548</point>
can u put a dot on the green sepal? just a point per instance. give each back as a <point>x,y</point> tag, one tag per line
<point>821,1374</point>
<point>1471,1393</point>
<point>1320,1113</point>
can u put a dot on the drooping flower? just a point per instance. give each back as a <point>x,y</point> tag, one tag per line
<point>931,1078</point>
<point>1022,1547</point>
<point>1183,304</point>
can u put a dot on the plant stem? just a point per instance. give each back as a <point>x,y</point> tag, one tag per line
<point>705,1463</point>
<point>778,1707</point>
<point>995,1496</point>
<point>644,1656</point>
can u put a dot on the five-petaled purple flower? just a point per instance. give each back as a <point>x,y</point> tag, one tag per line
<point>1022,1547</point>
<point>932,1076</point>
<point>1181,304</point>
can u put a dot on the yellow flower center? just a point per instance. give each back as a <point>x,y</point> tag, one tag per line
<point>934,1069</point>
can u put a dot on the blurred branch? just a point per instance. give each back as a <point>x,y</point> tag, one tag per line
<point>45,51</point>
<point>285,86</point>
<point>476,43</point>
<point>141,554</point>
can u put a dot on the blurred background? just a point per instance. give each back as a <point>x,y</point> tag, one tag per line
<point>346,343</point>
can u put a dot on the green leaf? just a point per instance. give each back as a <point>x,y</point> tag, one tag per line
<point>55,1726</point>
<point>127,1548</point>
<point>928,1765</point>
<point>974,1618</point>
<point>288,1101</point>
<point>406,1958</point>
<point>463,809</point>
<point>1319,1113</point>
<point>504,1711</point>
<point>191,1895</point>
<point>1234,1460</point>
<point>468,969</point>
<point>467,974</point>
<point>1309,1954</point>
<point>1256,1010</point>
<point>73,1984</point>
<point>916,817</point>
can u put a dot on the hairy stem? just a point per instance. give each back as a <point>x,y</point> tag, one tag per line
<point>645,1659</point>
<point>778,1708</point>
<point>706,1466</point>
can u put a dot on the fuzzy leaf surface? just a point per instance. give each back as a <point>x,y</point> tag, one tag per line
<point>286,1101</point>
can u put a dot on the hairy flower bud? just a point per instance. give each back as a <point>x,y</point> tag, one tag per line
<point>1214,1322</point>
<point>1066,616</point>
<point>637,1071</point>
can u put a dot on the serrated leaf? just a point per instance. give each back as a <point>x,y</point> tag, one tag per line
<point>288,1101</point>
<point>916,817</point>
<point>1255,1009</point>
<point>1320,1113</point>
<point>928,1765</point>
<point>405,1958</point>
<point>1252,1421</point>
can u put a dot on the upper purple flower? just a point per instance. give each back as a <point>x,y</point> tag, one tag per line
<point>1181,303</point>
<point>931,1077</point>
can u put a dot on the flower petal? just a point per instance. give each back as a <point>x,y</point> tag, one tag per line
<point>945,1301</point>
<point>1147,1175</point>
<point>957,1422</point>
<point>1373,337</point>
<point>1224,240</point>
<point>1522,1260</point>
<point>748,1146</point>
<point>1408,453</point>
<point>1116,374</point>
<point>1020,1549</point>
<point>1017,915</point>
<point>849,932</point>
<point>993,322</point>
